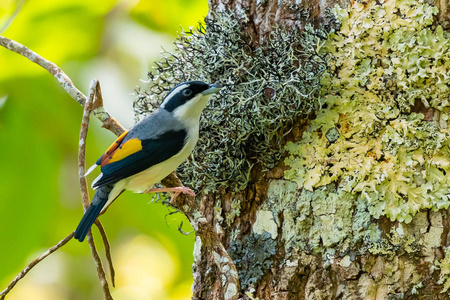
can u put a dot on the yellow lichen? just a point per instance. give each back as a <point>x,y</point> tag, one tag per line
<point>387,58</point>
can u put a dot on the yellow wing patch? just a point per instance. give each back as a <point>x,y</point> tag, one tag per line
<point>116,152</point>
<point>130,147</point>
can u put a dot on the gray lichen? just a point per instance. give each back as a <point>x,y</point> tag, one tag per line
<point>265,89</point>
<point>251,256</point>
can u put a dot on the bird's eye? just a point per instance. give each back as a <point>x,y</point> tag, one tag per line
<point>187,92</point>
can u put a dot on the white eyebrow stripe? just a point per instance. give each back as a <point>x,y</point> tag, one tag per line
<point>174,92</point>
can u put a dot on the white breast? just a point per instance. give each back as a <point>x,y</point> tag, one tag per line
<point>142,181</point>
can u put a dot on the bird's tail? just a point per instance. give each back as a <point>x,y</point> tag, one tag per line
<point>99,200</point>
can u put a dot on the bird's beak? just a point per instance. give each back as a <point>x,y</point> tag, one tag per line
<point>213,88</point>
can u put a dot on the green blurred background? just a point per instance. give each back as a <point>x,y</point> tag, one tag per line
<point>115,42</point>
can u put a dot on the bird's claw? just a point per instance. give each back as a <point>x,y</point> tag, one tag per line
<point>175,190</point>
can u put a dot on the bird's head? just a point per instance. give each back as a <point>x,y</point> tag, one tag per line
<point>187,100</point>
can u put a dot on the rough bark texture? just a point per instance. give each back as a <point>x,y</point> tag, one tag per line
<point>256,227</point>
<point>260,17</point>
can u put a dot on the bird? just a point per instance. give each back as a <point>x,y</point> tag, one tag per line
<point>149,151</point>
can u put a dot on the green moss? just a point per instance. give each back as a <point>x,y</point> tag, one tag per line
<point>387,58</point>
<point>265,89</point>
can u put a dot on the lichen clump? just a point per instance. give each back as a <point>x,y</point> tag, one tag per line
<point>444,266</point>
<point>265,89</point>
<point>388,60</point>
<point>252,257</point>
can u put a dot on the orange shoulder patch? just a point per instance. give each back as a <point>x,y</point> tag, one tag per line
<point>103,160</point>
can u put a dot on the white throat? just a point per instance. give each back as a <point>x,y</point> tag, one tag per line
<point>189,113</point>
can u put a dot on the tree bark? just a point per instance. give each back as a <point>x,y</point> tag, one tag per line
<point>262,228</point>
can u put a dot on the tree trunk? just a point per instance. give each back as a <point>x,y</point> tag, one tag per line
<point>353,204</point>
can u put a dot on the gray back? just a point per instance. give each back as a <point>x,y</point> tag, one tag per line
<point>158,122</point>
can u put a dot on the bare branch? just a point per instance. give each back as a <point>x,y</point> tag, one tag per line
<point>107,251</point>
<point>34,263</point>
<point>98,263</point>
<point>82,145</point>
<point>108,121</point>
<point>93,90</point>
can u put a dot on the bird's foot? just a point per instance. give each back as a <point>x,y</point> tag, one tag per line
<point>175,190</point>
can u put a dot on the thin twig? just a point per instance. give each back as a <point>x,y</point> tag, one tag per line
<point>34,263</point>
<point>107,251</point>
<point>98,263</point>
<point>108,121</point>
<point>98,102</point>
<point>180,229</point>
<point>83,184</point>
<point>82,145</point>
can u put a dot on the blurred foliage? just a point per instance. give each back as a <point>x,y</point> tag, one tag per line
<point>149,14</point>
<point>39,126</point>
